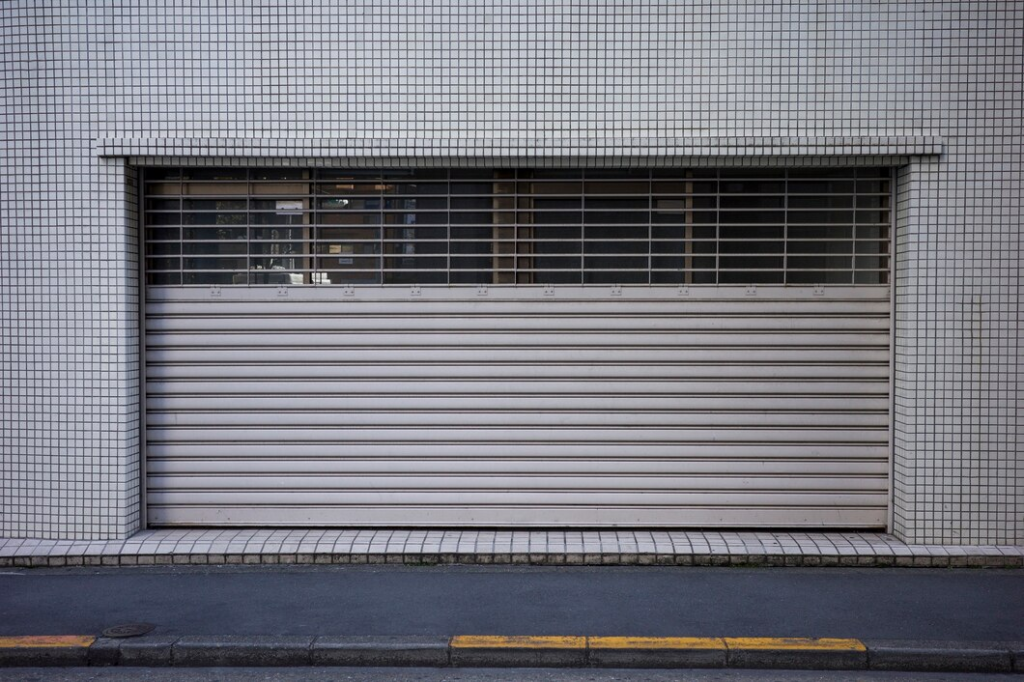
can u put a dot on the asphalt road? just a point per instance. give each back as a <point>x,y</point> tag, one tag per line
<point>935,604</point>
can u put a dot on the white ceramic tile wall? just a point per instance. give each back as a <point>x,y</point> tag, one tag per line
<point>959,470</point>
<point>486,81</point>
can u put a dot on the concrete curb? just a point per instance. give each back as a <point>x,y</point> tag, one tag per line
<point>431,652</point>
<point>46,650</point>
<point>518,652</point>
<point>789,654</point>
<point>924,656</point>
<point>48,656</point>
<point>199,651</point>
<point>657,652</point>
<point>576,652</point>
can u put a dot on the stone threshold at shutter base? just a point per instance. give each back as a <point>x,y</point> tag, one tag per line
<point>523,547</point>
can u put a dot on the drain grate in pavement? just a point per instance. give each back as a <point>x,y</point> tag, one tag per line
<point>129,630</point>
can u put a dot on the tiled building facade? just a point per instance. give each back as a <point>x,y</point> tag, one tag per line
<point>93,91</point>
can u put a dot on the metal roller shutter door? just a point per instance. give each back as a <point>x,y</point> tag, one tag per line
<point>716,406</point>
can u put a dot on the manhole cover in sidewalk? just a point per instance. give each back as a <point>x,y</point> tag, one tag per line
<point>128,630</point>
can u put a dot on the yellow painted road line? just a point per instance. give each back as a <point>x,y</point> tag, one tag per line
<point>46,641</point>
<point>795,643</point>
<point>517,642</point>
<point>656,643</point>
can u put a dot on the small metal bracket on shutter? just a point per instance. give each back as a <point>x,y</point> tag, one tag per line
<point>683,291</point>
<point>549,290</point>
<point>819,290</point>
<point>751,290</point>
<point>282,291</point>
<point>481,291</point>
<point>215,292</point>
<point>348,291</point>
<point>616,290</point>
<point>415,291</point>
